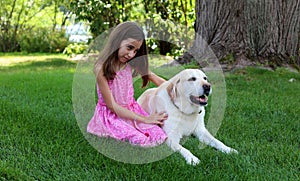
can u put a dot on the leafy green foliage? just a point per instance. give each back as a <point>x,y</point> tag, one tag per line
<point>19,18</point>
<point>103,15</point>
<point>43,40</point>
<point>75,49</point>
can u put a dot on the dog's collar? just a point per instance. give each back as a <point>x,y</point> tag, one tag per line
<point>172,92</point>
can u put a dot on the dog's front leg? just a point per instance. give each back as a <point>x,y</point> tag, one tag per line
<point>204,136</point>
<point>175,146</point>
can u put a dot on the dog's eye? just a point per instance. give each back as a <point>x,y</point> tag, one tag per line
<point>192,79</point>
<point>205,78</point>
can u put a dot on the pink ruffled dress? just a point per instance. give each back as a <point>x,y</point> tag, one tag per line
<point>106,123</point>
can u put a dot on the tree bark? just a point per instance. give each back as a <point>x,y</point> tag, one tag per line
<point>253,30</point>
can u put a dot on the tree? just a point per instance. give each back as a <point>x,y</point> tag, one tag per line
<point>260,30</point>
<point>105,14</point>
<point>9,12</point>
<point>179,11</point>
<point>102,14</point>
<point>21,17</point>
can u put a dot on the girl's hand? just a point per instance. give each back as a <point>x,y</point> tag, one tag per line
<point>157,118</point>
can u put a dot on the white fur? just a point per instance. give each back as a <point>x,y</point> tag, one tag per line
<point>183,117</point>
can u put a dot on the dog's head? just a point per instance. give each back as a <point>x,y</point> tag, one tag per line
<point>189,89</point>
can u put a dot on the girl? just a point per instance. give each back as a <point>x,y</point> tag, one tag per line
<point>117,114</point>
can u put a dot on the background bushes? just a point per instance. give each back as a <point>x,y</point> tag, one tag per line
<point>75,48</point>
<point>43,40</point>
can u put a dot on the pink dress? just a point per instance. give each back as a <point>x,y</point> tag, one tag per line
<point>106,123</point>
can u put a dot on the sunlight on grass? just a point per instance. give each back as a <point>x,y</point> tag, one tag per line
<point>14,59</point>
<point>158,60</point>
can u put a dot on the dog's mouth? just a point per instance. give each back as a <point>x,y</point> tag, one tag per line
<point>199,100</point>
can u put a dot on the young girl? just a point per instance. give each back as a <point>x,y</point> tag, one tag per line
<point>117,114</point>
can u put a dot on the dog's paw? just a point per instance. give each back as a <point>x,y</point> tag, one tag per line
<point>233,151</point>
<point>229,150</point>
<point>192,160</point>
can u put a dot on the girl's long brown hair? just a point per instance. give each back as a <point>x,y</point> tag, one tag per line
<point>109,56</point>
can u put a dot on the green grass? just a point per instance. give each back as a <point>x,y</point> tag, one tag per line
<point>41,140</point>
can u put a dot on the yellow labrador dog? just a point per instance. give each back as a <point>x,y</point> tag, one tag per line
<point>183,97</point>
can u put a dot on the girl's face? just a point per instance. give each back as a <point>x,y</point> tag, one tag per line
<point>128,49</point>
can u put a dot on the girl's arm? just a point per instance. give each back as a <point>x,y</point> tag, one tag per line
<point>155,79</point>
<point>121,111</point>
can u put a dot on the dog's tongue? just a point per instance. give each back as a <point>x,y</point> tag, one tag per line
<point>202,99</point>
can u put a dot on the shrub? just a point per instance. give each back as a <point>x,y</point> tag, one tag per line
<point>43,40</point>
<point>75,49</point>
<point>59,42</point>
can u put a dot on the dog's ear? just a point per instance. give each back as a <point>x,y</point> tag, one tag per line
<point>172,90</point>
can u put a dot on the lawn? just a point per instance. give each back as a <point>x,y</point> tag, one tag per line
<point>41,139</point>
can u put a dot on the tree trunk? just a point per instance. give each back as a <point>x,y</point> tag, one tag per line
<point>55,15</point>
<point>253,30</point>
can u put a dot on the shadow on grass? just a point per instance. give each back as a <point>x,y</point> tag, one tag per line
<point>9,173</point>
<point>49,63</point>
<point>123,151</point>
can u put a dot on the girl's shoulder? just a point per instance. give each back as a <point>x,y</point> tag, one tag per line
<point>99,70</point>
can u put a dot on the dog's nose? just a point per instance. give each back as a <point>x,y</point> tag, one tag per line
<point>206,87</point>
